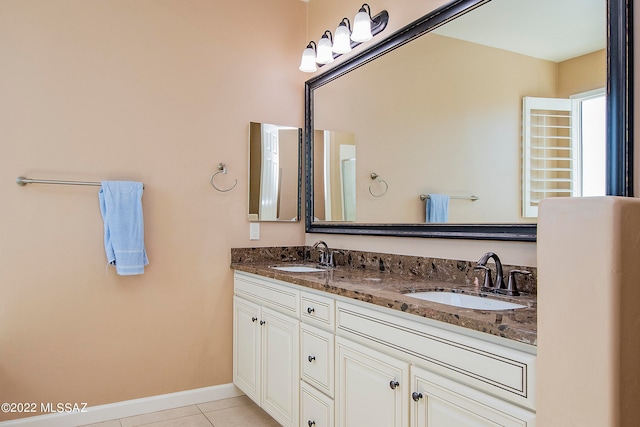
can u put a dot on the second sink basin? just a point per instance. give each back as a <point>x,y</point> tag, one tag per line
<point>465,301</point>
<point>298,269</point>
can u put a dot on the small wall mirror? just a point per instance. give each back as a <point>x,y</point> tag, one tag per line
<point>274,172</point>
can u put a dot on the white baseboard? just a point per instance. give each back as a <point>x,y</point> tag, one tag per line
<point>128,408</point>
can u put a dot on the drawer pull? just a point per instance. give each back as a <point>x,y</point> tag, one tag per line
<point>311,358</point>
<point>416,396</point>
<point>393,384</point>
<point>311,423</point>
<point>253,319</point>
<point>310,310</point>
<point>262,322</point>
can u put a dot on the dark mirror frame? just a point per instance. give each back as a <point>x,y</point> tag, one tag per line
<point>619,125</point>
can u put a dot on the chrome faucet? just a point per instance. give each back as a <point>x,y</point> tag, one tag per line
<point>488,283</point>
<point>324,253</point>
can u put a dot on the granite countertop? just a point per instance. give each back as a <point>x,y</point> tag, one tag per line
<point>387,290</point>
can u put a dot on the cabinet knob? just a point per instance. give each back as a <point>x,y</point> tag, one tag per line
<point>310,310</point>
<point>416,396</point>
<point>262,322</point>
<point>253,319</point>
<point>311,358</point>
<point>311,423</point>
<point>393,384</point>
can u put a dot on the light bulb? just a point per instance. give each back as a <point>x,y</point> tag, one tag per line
<point>362,27</point>
<point>325,54</point>
<point>342,38</point>
<point>308,62</point>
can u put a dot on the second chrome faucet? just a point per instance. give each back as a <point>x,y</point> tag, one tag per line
<point>326,255</point>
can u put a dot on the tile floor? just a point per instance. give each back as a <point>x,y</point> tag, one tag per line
<point>233,412</point>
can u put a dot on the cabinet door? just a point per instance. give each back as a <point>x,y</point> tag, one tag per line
<point>246,347</point>
<point>280,367</point>
<point>372,389</point>
<point>438,402</point>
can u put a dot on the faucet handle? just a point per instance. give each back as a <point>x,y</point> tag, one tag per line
<point>512,289</point>
<point>323,256</point>
<point>488,281</point>
<point>332,261</point>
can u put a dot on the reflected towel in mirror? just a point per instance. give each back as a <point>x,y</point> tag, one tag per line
<point>437,208</point>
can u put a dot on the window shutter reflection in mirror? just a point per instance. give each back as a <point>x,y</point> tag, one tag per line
<point>550,152</point>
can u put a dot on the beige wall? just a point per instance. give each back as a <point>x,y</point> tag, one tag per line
<point>158,91</point>
<point>588,312</point>
<point>582,74</point>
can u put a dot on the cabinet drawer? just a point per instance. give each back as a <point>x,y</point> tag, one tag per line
<point>317,310</point>
<point>499,370</point>
<point>268,292</point>
<point>317,358</point>
<point>316,409</point>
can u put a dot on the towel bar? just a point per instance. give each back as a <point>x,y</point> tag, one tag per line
<point>424,197</point>
<point>22,181</point>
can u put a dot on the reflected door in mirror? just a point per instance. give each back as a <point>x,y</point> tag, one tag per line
<point>334,173</point>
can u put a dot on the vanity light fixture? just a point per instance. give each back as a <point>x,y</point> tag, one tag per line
<point>329,47</point>
<point>308,62</point>
<point>325,45</point>
<point>342,38</point>
<point>362,25</point>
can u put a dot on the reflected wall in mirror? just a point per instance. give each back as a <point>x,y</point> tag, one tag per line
<point>334,179</point>
<point>443,114</point>
<point>446,115</point>
<point>274,172</point>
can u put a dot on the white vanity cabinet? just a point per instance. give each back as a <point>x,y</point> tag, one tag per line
<point>442,378</point>
<point>322,360</point>
<point>266,346</point>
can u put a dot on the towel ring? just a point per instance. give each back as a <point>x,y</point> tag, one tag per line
<point>223,170</point>
<point>375,176</point>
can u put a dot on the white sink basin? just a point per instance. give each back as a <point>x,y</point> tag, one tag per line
<point>465,301</point>
<point>298,269</point>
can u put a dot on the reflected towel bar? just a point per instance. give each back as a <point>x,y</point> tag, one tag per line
<point>21,180</point>
<point>424,197</point>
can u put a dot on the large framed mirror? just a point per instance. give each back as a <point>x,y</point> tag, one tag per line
<point>275,172</point>
<point>439,112</point>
